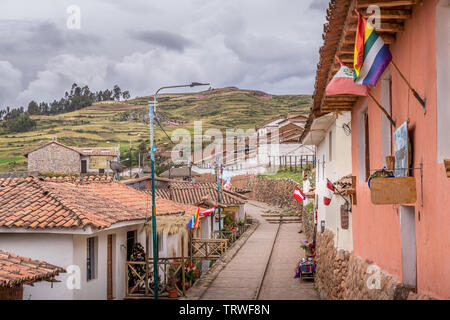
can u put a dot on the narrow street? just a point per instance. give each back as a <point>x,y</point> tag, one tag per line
<point>246,277</point>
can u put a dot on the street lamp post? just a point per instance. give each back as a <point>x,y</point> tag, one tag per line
<point>152,110</point>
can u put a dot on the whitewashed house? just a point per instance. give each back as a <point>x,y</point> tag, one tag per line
<point>86,226</point>
<point>332,139</point>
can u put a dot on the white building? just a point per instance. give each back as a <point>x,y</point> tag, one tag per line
<point>332,139</point>
<point>86,226</point>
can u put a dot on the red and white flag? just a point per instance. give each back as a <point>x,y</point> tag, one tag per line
<point>208,211</point>
<point>329,191</point>
<point>299,195</point>
<point>343,83</point>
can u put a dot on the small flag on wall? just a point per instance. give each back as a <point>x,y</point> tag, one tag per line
<point>195,220</point>
<point>299,195</point>
<point>343,83</point>
<point>329,191</point>
<point>208,212</point>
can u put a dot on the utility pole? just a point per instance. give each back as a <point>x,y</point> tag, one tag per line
<point>218,186</point>
<point>131,163</point>
<point>152,110</point>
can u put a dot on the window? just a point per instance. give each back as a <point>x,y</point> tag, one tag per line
<point>330,146</point>
<point>386,127</point>
<point>367,145</point>
<point>443,79</point>
<point>363,145</point>
<point>91,260</point>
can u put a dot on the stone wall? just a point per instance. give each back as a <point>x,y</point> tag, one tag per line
<point>276,192</point>
<point>340,275</point>
<point>54,158</point>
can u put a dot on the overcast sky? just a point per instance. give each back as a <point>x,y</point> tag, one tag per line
<point>269,45</point>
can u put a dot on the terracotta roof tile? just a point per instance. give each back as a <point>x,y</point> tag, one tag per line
<point>198,193</point>
<point>72,203</point>
<point>15,270</point>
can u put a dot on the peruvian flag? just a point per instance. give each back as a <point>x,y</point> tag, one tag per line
<point>298,195</point>
<point>343,83</point>
<point>329,191</point>
<point>208,212</point>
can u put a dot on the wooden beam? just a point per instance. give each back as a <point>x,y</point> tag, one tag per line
<point>387,14</point>
<point>385,4</point>
<point>386,27</point>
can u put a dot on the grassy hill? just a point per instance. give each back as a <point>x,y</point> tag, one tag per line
<point>116,122</point>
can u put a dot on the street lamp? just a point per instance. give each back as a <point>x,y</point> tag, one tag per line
<point>152,110</point>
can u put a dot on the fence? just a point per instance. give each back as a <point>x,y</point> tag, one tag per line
<point>292,163</point>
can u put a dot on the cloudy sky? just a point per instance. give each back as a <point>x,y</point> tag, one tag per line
<point>269,45</point>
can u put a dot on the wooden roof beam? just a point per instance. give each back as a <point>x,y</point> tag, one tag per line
<point>385,3</point>
<point>385,27</point>
<point>387,14</point>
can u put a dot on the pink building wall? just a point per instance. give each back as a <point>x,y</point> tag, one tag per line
<point>376,229</point>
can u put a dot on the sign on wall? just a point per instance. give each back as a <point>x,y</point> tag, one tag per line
<point>401,151</point>
<point>99,162</point>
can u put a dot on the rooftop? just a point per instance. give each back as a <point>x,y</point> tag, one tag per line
<point>65,203</point>
<point>17,270</point>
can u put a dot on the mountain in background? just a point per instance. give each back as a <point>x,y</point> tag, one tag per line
<point>106,123</point>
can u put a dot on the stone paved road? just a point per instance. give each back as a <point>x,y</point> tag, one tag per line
<point>241,278</point>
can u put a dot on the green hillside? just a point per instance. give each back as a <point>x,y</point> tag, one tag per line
<point>116,122</point>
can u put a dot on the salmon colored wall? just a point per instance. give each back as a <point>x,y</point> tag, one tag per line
<point>376,229</point>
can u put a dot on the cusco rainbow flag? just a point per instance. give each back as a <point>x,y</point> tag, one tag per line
<point>195,220</point>
<point>372,55</point>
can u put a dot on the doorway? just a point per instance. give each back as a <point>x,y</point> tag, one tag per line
<point>409,257</point>
<point>109,267</point>
<point>83,166</point>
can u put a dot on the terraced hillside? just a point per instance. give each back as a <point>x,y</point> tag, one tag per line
<point>108,123</point>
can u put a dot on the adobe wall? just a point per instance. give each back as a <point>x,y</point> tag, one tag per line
<point>54,159</point>
<point>340,275</point>
<point>276,192</point>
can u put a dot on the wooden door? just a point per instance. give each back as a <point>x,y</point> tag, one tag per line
<point>109,262</point>
<point>83,166</point>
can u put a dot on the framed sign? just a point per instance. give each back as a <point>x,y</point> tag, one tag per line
<point>401,151</point>
<point>99,162</point>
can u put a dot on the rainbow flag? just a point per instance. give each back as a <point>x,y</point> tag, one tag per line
<point>195,220</point>
<point>372,55</point>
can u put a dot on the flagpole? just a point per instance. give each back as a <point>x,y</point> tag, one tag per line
<point>382,109</point>
<point>416,95</point>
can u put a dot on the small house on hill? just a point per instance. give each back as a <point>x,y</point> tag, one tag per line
<point>55,157</point>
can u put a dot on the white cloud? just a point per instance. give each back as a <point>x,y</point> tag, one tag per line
<point>61,72</point>
<point>10,83</point>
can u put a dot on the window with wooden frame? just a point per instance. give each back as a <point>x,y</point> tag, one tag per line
<point>367,146</point>
<point>91,259</point>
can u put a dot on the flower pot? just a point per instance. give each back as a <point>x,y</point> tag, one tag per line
<point>173,293</point>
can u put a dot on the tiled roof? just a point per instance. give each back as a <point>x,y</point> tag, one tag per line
<point>195,194</point>
<point>16,270</point>
<point>86,151</point>
<point>61,203</point>
<point>179,172</point>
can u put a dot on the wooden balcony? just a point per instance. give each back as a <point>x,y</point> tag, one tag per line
<point>140,282</point>
<point>208,249</point>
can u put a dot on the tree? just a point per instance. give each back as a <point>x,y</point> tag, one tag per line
<point>33,108</point>
<point>126,95</point>
<point>116,92</point>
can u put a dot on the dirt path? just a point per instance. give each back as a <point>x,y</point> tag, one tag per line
<point>246,276</point>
